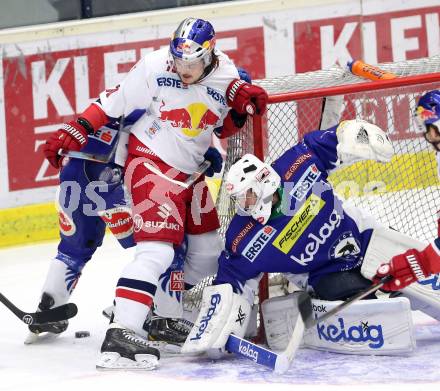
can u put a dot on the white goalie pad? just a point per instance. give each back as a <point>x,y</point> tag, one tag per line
<point>424,295</point>
<point>368,327</point>
<point>384,244</point>
<point>279,317</point>
<point>360,140</point>
<point>222,313</point>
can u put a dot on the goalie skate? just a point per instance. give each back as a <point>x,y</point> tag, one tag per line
<point>122,349</point>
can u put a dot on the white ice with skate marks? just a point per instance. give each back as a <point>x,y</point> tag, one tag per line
<point>68,363</point>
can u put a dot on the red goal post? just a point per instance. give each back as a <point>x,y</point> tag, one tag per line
<point>403,193</point>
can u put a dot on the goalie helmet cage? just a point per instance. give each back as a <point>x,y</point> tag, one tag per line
<point>402,194</point>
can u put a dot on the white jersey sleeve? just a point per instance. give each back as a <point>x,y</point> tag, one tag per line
<point>134,92</point>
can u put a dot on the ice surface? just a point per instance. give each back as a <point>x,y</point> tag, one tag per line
<point>67,363</point>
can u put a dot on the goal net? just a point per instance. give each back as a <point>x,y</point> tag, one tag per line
<point>403,194</point>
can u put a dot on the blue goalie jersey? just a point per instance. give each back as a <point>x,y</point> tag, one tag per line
<point>308,232</point>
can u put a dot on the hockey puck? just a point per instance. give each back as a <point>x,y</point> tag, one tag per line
<point>82,334</point>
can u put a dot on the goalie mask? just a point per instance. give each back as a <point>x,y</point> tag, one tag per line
<point>251,185</point>
<point>428,117</point>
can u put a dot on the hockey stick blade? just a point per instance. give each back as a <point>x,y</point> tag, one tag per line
<point>63,312</point>
<point>96,157</point>
<point>280,362</point>
<point>85,156</point>
<point>197,174</point>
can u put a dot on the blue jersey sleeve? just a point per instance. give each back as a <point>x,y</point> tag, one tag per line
<point>231,271</point>
<point>323,144</point>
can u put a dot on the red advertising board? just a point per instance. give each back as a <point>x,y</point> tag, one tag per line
<point>45,89</point>
<point>391,36</point>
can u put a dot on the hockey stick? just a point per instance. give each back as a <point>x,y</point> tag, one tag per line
<point>86,156</point>
<point>189,181</point>
<point>96,157</point>
<point>63,312</point>
<point>280,362</point>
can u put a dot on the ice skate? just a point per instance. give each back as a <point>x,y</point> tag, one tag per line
<point>167,334</point>
<point>123,349</point>
<point>45,331</point>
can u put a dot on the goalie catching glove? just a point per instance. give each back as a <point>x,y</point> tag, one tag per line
<point>246,98</point>
<point>409,267</point>
<point>360,140</point>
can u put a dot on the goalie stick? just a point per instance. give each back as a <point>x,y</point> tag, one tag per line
<point>280,362</point>
<point>63,312</point>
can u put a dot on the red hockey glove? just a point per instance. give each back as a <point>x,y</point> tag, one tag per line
<point>72,137</point>
<point>246,98</point>
<point>405,268</point>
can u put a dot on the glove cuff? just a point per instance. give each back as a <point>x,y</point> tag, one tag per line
<point>431,255</point>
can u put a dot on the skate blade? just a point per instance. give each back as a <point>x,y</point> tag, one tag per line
<point>114,361</point>
<point>108,311</point>
<point>166,349</point>
<point>33,338</point>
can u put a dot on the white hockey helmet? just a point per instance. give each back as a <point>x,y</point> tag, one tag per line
<point>251,183</point>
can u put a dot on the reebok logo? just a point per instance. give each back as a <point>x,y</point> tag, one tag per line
<point>319,308</point>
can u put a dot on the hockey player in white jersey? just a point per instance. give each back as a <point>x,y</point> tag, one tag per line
<point>90,198</point>
<point>189,90</point>
<point>415,265</point>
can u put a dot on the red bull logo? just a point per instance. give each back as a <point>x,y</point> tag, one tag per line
<point>192,120</point>
<point>425,114</point>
